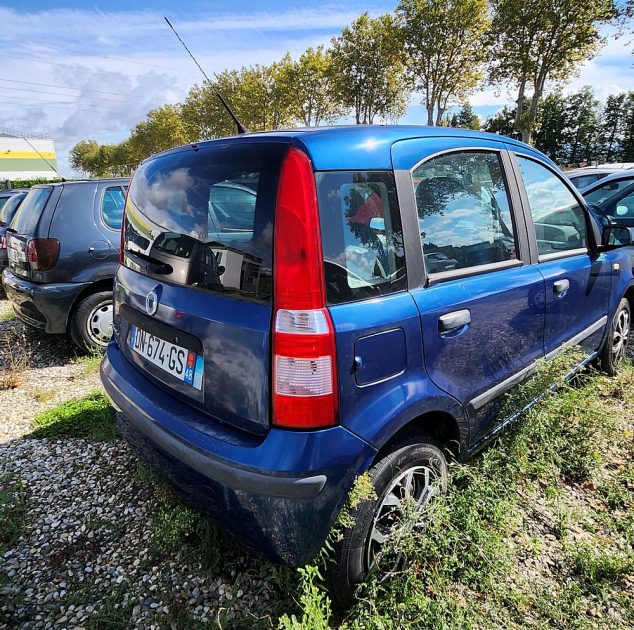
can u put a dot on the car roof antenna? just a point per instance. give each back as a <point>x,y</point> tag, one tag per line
<point>52,167</point>
<point>239,125</point>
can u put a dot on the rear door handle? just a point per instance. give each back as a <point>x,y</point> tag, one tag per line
<point>454,320</point>
<point>560,287</point>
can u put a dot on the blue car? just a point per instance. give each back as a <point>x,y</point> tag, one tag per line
<point>295,308</point>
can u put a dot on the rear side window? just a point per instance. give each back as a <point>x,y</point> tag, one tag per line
<point>362,238</point>
<point>584,180</point>
<point>112,206</point>
<point>204,218</point>
<point>559,220</point>
<point>29,212</point>
<point>464,213</point>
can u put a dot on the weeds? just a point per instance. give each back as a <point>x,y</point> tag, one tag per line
<point>91,361</point>
<point>89,417</point>
<point>43,395</point>
<point>7,316</point>
<point>14,358</point>
<point>461,567</point>
<point>13,508</point>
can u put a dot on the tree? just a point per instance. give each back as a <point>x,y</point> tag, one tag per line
<point>613,126</point>
<point>582,126</point>
<point>368,71</point>
<point>308,82</point>
<point>626,153</point>
<point>444,42</point>
<point>83,156</point>
<point>258,95</point>
<point>535,41</point>
<point>163,129</point>
<point>502,122</point>
<point>550,135</point>
<point>466,118</point>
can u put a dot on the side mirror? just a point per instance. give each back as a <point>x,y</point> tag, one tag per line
<point>615,236</point>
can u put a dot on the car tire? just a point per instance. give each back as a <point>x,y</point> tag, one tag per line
<point>352,556</point>
<point>614,349</point>
<point>91,321</point>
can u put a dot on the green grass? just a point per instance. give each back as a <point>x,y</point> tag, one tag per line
<point>462,568</point>
<point>90,417</point>
<point>7,316</point>
<point>13,511</point>
<point>43,395</point>
<point>91,361</point>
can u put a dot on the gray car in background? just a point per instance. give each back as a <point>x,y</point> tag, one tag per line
<point>63,249</point>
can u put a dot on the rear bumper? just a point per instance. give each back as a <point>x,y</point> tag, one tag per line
<point>43,306</point>
<point>279,494</point>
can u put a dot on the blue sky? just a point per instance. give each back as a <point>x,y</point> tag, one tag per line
<point>74,70</point>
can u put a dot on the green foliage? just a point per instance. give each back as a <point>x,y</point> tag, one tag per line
<point>367,61</point>
<point>314,603</point>
<point>536,41</point>
<point>13,511</point>
<point>7,316</point>
<point>444,43</point>
<point>466,118</point>
<point>309,83</point>
<point>27,183</point>
<point>597,567</point>
<point>89,417</point>
<point>461,570</point>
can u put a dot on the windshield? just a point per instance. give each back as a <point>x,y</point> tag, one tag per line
<point>7,212</point>
<point>28,214</point>
<point>607,190</point>
<point>204,218</point>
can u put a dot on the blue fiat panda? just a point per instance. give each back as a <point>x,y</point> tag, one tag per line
<point>295,308</point>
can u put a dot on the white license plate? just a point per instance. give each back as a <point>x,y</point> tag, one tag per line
<point>185,365</point>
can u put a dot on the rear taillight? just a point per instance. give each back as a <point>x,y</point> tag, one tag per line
<point>42,253</point>
<point>3,242</point>
<point>304,359</point>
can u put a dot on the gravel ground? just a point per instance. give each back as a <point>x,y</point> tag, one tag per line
<point>86,557</point>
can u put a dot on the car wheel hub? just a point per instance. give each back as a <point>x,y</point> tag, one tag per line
<point>99,324</point>
<point>621,336</point>
<point>414,485</point>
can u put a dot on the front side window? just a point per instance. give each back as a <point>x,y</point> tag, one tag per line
<point>559,220</point>
<point>464,212</point>
<point>112,206</point>
<point>609,189</point>
<point>362,238</point>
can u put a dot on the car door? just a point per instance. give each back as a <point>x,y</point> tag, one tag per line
<point>578,279</point>
<point>482,305</point>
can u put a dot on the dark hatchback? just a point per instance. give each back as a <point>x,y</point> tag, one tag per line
<point>63,249</point>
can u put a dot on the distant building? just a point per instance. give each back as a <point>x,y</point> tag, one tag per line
<point>26,158</point>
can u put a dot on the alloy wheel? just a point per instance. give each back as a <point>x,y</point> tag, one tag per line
<point>620,336</point>
<point>414,486</point>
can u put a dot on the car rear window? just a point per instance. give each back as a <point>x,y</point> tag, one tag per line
<point>29,212</point>
<point>204,218</point>
<point>362,238</point>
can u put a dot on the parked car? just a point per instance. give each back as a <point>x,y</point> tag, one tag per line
<point>7,212</point>
<point>394,284</point>
<point>63,248</point>
<point>6,194</point>
<point>588,175</point>
<point>612,198</point>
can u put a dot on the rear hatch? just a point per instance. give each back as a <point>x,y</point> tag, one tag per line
<point>23,228</point>
<point>193,301</point>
